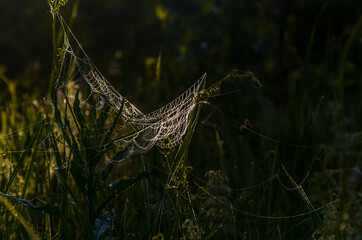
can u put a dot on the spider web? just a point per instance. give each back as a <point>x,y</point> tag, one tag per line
<point>164,127</point>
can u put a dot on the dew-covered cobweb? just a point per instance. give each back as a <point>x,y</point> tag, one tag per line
<point>164,127</point>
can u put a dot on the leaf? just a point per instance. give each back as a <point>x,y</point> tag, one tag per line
<point>78,112</point>
<point>77,166</point>
<point>102,227</point>
<point>121,185</point>
<point>101,121</point>
<point>56,152</point>
<point>119,156</point>
<point>94,153</point>
<point>181,154</point>
<point>114,123</point>
<point>45,207</point>
<point>58,118</point>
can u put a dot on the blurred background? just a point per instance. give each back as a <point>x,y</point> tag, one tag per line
<point>306,53</point>
<point>287,44</point>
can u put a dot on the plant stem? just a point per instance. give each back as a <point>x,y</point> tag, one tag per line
<point>55,65</point>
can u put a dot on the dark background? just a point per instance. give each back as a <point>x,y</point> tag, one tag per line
<point>270,38</point>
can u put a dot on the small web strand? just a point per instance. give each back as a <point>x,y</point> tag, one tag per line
<point>315,210</point>
<point>272,139</point>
